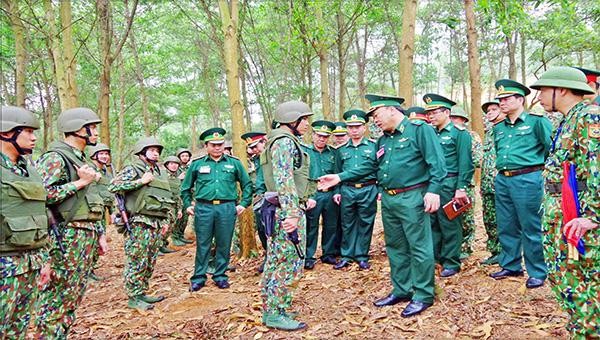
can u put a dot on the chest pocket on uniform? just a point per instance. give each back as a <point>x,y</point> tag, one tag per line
<point>524,132</point>
<point>228,173</point>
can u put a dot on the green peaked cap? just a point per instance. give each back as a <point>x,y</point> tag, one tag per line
<point>252,138</point>
<point>214,135</point>
<point>435,101</point>
<point>508,87</point>
<point>376,101</point>
<point>323,127</point>
<point>485,105</point>
<point>355,117</point>
<point>340,129</point>
<point>564,77</point>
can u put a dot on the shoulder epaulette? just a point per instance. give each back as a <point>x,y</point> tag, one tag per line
<point>538,114</point>
<point>198,158</point>
<point>416,122</point>
<point>232,156</point>
<point>460,127</point>
<point>372,140</point>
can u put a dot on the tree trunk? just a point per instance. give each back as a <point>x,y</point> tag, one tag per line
<point>69,60</point>
<point>406,52</point>
<point>512,64</point>
<point>229,21</point>
<point>361,63</point>
<point>48,108</point>
<point>341,62</point>
<point>12,8</point>
<point>523,61</point>
<point>139,74</point>
<point>323,71</point>
<point>121,117</point>
<point>474,69</point>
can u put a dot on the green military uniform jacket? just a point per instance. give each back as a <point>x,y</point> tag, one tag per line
<point>350,156</point>
<point>321,162</point>
<point>409,155</point>
<point>215,180</point>
<point>456,144</point>
<point>522,144</point>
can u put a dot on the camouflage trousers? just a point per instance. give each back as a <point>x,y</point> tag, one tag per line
<point>468,225</point>
<point>59,300</point>
<point>169,233</point>
<point>17,296</point>
<point>179,226</point>
<point>488,203</point>
<point>575,282</point>
<point>283,268</point>
<point>141,251</point>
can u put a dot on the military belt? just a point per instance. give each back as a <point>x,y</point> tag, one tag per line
<point>517,172</point>
<point>393,192</point>
<point>556,187</point>
<point>360,185</point>
<point>214,202</point>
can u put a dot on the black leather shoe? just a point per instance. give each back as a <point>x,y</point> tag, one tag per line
<point>532,282</point>
<point>341,264</point>
<point>364,265</point>
<point>222,284</point>
<point>391,300</point>
<point>309,265</point>
<point>504,273</point>
<point>414,308</point>
<point>447,272</point>
<point>329,260</point>
<point>196,286</point>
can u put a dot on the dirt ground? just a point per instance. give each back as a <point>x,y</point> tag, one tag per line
<point>335,304</point>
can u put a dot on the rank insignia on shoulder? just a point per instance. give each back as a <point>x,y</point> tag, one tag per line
<point>594,130</point>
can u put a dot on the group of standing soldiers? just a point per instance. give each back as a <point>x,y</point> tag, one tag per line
<point>425,159</point>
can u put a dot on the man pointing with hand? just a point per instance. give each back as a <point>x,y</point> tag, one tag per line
<point>410,168</point>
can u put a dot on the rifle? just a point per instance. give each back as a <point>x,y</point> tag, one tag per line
<point>122,214</point>
<point>53,227</point>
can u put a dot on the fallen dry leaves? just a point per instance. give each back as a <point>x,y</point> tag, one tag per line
<point>335,304</point>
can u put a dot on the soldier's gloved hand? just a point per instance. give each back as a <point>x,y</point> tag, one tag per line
<point>239,209</point>
<point>147,177</point>
<point>310,204</point>
<point>578,227</point>
<point>45,275</point>
<point>190,210</point>
<point>431,202</point>
<point>337,198</point>
<point>102,245</point>
<point>290,224</point>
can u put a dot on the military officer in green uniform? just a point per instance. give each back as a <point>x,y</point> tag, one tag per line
<point>100,156</point>
<point>458,116</point>
<point>522,142</point>
<point>322,162</point>
<point>593,80</point>
<point>171,165</point>
<point>70,182</point>
<point>286,169</point>
<point>255,145</point>
<point>149,200</point>
<point>340,134</point>
<point>178,235</point>
<point>493,116</point>
<point>417,112</point>
<point>573,273</point>
<point>211,182</point>
<point>456,143</point>
<point>410,169</point>
<point>357,200</point>
<point>24,226</point>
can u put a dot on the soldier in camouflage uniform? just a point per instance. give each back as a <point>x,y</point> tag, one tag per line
<point>171,165</point>
<point>285,168</point>
<point>100,157</point>
<point>178,238</point>
<point>460,117</point>
<point>493,116</point>
<point>593,80</point>
<point>574,274</point>
<point>149,200</point>
<point>73,196</point>
<point>24,226</point>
